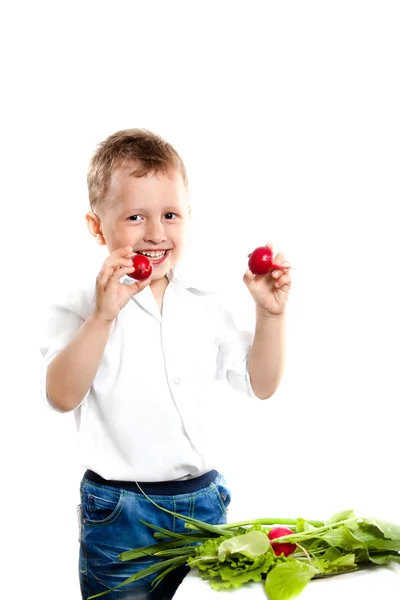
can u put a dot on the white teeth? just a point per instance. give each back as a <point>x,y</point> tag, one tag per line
<point>155,255</point>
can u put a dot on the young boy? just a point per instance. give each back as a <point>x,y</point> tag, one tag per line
<point>137,364</point>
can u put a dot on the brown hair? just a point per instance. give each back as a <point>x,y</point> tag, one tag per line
<point>149,151</point>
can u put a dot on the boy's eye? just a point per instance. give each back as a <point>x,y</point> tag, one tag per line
<point>135,217</point>
<point>170,215</point>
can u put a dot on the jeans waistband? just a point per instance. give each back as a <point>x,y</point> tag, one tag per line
<point>162,488</point>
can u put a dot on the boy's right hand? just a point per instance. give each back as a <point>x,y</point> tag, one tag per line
<point>111,295</point>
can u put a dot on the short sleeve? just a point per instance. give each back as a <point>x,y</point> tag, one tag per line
<point>61,323</point>
<point>233,353</point>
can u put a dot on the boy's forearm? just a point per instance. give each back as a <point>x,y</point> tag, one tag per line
<point>267,354</point>
<point>71,373</point>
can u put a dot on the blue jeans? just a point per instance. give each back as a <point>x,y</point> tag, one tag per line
<point>109,525</point>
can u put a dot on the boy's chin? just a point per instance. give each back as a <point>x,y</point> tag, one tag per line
<point>160,273</point>
<point>162,270</point>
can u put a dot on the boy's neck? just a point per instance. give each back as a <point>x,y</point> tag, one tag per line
<point>158,288</point>
<point>160,285</point>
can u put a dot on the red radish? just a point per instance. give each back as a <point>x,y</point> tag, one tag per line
<point>143,267</point>
<point>284,547</point>
<point>261,261</point>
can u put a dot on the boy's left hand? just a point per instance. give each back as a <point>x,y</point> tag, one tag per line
<point>271,291</point>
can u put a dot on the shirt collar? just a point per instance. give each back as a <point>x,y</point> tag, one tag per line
<point>186,275</point>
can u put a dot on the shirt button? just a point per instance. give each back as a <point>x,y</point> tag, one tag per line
<point>177,380</point>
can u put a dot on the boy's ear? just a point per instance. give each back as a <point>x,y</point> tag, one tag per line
<point>189,209</point>
<point>94,226</point>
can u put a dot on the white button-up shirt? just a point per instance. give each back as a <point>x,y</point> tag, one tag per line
<point>146,416</point>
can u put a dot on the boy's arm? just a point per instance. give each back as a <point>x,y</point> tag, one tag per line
<point>267,354</point>
<point>71,373</point>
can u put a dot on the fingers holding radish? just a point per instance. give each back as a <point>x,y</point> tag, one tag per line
<point>268,279</point>
<point>111,294</point>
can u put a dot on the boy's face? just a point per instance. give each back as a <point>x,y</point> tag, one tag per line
<point>149,213</point>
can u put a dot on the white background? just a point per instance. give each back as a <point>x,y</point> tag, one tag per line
<point>287,117</point>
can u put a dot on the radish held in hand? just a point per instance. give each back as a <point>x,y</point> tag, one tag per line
<point>261,261</point>
<point>143,267</point>
<point>284,547</point>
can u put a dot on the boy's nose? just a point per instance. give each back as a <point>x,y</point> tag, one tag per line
<point>155,233</point>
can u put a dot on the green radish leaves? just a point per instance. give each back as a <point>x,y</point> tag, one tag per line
<point>288,579</point>
<point>341,516</point>
<point>233,554</point>
<point>389,530</point>
<point>250,544</point>
<point>229,563</point>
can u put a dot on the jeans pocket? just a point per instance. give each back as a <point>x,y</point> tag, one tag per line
<point>100,505</point>
<point>223,492</point>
